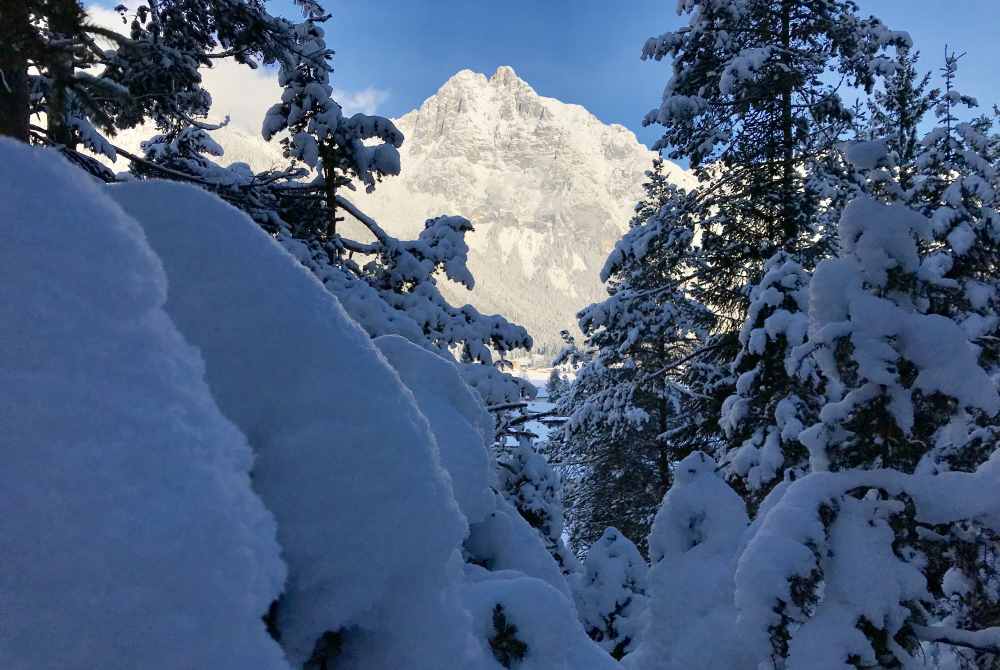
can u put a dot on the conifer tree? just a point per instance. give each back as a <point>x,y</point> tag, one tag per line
<point>957,190</point>
<point>555,386</point>
<point>620,406</point>
<point>318,133</point>
<point>898,374</point>
<point>771,404</point>
<point>895,112</point>
<point>749,106</point>
<point>896,379</point>
<point>90,82</point>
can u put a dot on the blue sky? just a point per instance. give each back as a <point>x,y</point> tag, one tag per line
<point>587,51</point>
<point>393,54</point>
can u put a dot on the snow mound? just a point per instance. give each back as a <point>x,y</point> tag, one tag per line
<point>504,541</point>
<point>462,427</point>
<point>345,461</point>
<point>131,537</point>
<point>540,617</point>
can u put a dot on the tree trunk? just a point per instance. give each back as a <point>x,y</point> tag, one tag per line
<point>14,32</point>
<point>788,210</point>
<point>65,20</point>
<point>330,188</point>
<point>663,449</point>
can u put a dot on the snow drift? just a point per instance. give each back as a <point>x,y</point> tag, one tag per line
<point>345,461</point>
<point>130,534</point>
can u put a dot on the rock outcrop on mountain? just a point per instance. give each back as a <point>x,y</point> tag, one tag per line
<point>548,187</point>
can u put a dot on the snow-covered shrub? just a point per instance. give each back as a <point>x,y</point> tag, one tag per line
<point>528,625</point>
<point>833,573</point>
<point>505,542</point>
<point>693,548</point>
<point>610,593</point>
<point>533,487</point>
<point>129,532</point>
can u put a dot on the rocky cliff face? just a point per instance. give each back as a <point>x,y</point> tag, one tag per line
<point>548,187</point>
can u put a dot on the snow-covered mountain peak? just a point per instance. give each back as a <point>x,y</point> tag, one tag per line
<point>548,186</point>
<point>505,79</point>
<point>505,75</point>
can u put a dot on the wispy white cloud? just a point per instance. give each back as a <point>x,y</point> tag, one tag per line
<point>366,101</point>
<point>245,94</point>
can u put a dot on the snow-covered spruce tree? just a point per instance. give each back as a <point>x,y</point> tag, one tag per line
<point>318,133</point>
<point>957,189</point>
<point>771,404</point>
<point>556,385</point>
<point>881,158</point>
<point>897,380</point>
<point>610,593</point>
<point>896,110</point>
<point>751,106</point>
<point>620,406</point>
<point>897,375</point>
<point>958,180</point>
<point>748,104</point>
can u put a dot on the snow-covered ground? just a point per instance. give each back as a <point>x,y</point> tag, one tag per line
<point>538,377</point>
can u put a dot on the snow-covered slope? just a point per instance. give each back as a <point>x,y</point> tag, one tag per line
<point>548,186</point>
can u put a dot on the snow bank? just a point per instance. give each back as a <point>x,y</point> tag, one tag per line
<point>129,532</point>
<point>366,515</point>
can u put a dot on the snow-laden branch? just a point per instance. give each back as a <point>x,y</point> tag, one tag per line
<point>506,405</point>
<point>365,220</point>
<point>684,359</point>
<point>987,639</point>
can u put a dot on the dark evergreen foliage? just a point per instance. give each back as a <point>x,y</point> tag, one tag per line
<point>506,646</point>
